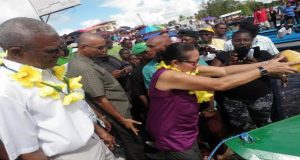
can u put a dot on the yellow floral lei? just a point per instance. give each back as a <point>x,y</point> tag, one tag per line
<point>30,77</point>
<point>202,96</point>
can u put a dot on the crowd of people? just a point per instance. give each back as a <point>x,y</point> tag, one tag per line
<point>164,97</point>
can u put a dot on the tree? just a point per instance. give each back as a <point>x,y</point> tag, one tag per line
<point>219,7</point>
<point>181,18</point>
<point>171,23</point>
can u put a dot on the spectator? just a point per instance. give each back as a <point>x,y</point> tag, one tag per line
<point>155,46</point>
<point>125,54</point>
<point>209,45</point>
<point>206,35</point>
<point>286,29</point>
<point>297,12</point>
<point>106,93</point>
<point>119,69</point>
<point>289,12</point>
<point>220,30</point>
<point>134,60</point>
<point>192,26</point>
<point>261,17</point>
<point>273,16</point>
<point>139,94</point>
<point>263,42</point>
<point>247,106</point>
<point>126,43</point>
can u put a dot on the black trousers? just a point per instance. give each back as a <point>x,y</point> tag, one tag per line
<point>190,154</point>
<point>133,145</point>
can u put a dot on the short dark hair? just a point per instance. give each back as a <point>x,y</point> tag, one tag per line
<point>248,24</point>
<point>123,50</point>
<point>176,51</point>
<point>188,33</point>
<point>240,32</point>
<point>218,24</point>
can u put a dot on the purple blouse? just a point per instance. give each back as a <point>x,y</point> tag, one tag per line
<point>173,117</point>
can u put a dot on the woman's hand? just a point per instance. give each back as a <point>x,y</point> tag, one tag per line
<point>274,66</point>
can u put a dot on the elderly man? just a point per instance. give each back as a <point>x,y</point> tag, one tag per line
<point>35,120</point>
<point>106,92</point>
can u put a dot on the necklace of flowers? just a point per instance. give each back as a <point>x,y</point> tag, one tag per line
<point>30,77</point>
<point>202,96</point>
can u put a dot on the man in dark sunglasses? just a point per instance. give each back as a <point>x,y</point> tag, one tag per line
<point>209,45</point>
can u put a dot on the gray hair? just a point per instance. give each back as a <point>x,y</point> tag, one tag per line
<point>21,30</point>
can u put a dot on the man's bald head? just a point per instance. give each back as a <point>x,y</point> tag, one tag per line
<point>91,45</point>
<point>159,40</point>
<point>156,45</point>
<point>86,38</point>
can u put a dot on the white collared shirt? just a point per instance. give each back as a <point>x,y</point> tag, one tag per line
<point>263,42</point>
<point>29,122</point>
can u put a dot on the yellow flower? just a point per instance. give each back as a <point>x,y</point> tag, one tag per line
<point>72,97</point>
<point>162,64</point>
<point>59,72</point>
<point>202,96</point>
<point>49,91</point>
<point>74,83</point>
<point>27,76</point>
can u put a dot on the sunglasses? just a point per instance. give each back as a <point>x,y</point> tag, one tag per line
<point>204,34</point>
<point>61,48</point>
<point>99,48</point>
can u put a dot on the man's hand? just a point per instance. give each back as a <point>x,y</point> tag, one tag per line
<point>108,139</point>
<point>36,155</point>
<point>129,123</point>
<point>107,124</point>
<point>118,73</point>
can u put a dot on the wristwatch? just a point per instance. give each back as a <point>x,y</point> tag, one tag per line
<point>263,71</point>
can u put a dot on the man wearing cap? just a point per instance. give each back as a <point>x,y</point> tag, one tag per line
<point>209,45</point>
<point>139,95</point>
<point>207,34</point>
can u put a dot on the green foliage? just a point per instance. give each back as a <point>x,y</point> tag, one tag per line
<point>171,23</point>
<point>181,18</point>
<point>219,7</point>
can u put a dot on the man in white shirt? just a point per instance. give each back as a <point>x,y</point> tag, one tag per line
<point>263,42</point>
<point>33,127</point>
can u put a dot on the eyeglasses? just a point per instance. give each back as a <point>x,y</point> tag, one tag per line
<point>99,48</point>
<point>194,63</point>
<point>61,48</point>
<point>222,28</point>
<point>204,34</point>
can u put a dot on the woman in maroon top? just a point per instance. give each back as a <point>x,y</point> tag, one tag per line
<point>172,118</point>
